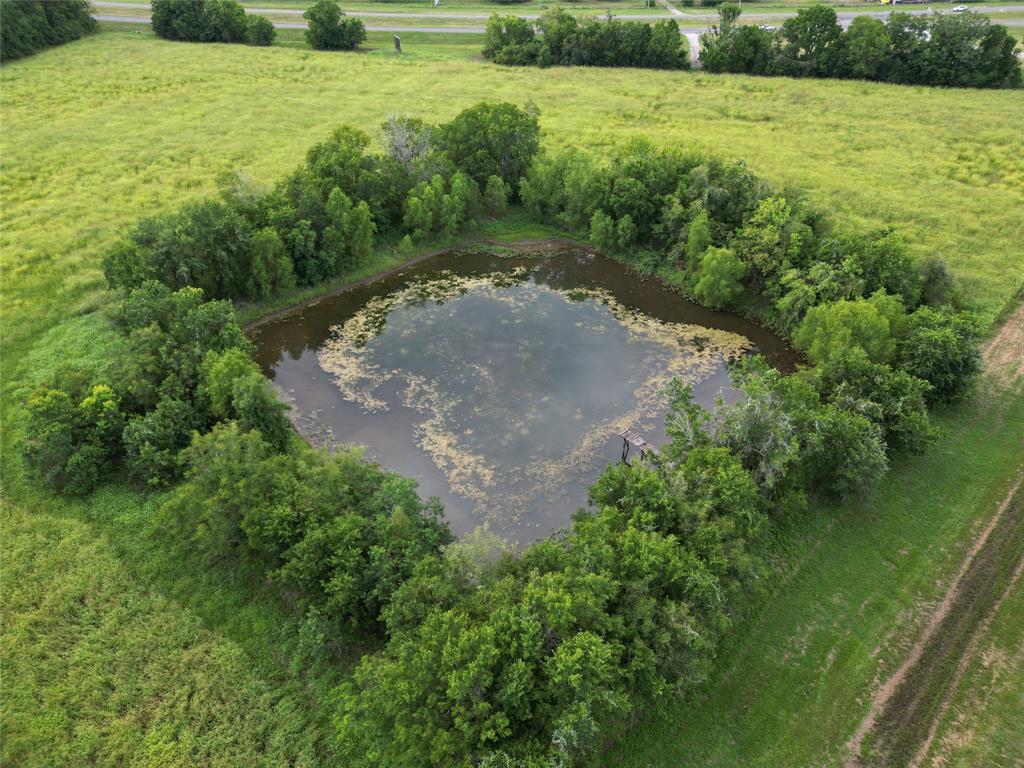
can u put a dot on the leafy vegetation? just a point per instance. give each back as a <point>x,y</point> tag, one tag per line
<point>560,39</point>
<point>330,29</point>
<point>963,51</point>
<point>569,638</point>
<point>904,517</point>
<point>28,26</point>
<point>323,219</point>
<point>209,21</point>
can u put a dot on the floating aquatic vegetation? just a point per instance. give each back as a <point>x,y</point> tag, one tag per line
<point>516,386</point>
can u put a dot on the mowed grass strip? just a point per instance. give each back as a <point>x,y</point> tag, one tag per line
<point>984,725</point>
<point>854,588</point>
<point>904,724</point>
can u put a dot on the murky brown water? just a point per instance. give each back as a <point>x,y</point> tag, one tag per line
<point>500,383</point>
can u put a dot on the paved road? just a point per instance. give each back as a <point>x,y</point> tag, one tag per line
<point>301,25</point>
<point>844,16</point>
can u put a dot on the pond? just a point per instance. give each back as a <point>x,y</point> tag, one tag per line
<point>501,379</point>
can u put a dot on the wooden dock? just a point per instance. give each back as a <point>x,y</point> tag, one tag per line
<point>633,439</point>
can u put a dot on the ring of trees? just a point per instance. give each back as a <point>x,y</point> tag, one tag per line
<point>527,658</point>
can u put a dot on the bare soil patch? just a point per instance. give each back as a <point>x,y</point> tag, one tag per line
<point>1003,355</point>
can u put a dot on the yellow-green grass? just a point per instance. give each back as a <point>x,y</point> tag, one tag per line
<point>118,649</point>
<point>121,125</point>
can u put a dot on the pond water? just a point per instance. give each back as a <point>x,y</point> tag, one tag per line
<point>501,381</point>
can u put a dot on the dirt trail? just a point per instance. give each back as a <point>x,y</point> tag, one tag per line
<point>889,687</point>
<point>1003,354</point>
<point>972,649</point>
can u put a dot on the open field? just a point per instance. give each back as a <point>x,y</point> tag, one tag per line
<point>117,653</point>
<point>122,125</point>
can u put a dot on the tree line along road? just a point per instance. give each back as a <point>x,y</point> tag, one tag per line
<point>845,17</point>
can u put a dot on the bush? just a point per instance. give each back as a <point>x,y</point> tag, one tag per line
<point>330,29</point>
<point>564,41</point>
<point>200,21</point>
<point>153,440</point>
<point>260,31</point>
<point>342,533</point>
<point>829,330</point>
<point>718,279</point>
<point>29,26</point>
<point>270,268</point>
<point>223,22</point>
<point>492,139</point>
<point>941,347</point>
<point>495,196</point>
<point>893,398</point>
<point>206,245</point>
<point>73,434</point>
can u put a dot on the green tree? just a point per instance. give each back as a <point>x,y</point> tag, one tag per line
<point>31,25</point>
<point>865,53</point>
<point>73,434</point>
<point>942,348</point>
<point>492,139</point>
<point>506,32</point>
<point>718,283</point>
<point>602,232</point>
<point>698,240</point>
<point>811,43</point>
<point>330,29</point>
<point>270,272</point>
<point>223,21</point>
<point>830,329</point>
<point>495,196</point>
<point>218,373</point>
<point>260,31</point>
<point>257,407</point>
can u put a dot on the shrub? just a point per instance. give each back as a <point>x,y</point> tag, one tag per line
<point>941,347</point>
<point>495,196</point>
<point>73,434</point>
<point>153,440</point>
<point>492,139</point>
<point>270,268</point>
<point>177,19</point>
<point>205,244</point>
<point>828,330</point>
<point>260,31</point>
<point>343,533</point>
<point>330,29</point>
<point>199,21</point>
<point>223,21</point>
<point>892,398</point>
<point>258,408</point>
<point>29,26</point>
<point>718,280</point>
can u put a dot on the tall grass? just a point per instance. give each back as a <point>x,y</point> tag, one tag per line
<point>119,649</point>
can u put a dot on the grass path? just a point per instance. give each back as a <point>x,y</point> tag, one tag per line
<point>954,599</point>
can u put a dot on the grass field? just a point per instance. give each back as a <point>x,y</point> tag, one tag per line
<point>120,650</point>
